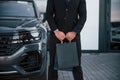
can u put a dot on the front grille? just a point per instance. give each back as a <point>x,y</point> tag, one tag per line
<point>31,62</point>
<point>6,45</point>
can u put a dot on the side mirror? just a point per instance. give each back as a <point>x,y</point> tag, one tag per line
<point>42,17</point>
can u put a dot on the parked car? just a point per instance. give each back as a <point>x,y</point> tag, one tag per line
<point>23,41</point>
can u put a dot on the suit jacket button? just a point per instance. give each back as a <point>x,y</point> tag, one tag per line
<point>66,9</point>
<point>65,18</point>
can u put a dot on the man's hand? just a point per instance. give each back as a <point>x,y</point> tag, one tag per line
<point>60,35</point>
<point>70,36</point>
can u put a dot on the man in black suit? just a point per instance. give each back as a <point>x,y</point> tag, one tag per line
<point>66,19</point>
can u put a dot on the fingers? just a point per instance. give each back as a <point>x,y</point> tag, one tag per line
<point>59,35</point>
<point>70,36</point>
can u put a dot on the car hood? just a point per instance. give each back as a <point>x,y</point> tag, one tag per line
<point>13,25</point>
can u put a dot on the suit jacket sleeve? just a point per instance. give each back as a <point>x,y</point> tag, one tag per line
<point>82,16</point>
<point>49,15</point>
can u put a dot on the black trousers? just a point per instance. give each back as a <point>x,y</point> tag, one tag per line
<point>53,74</point>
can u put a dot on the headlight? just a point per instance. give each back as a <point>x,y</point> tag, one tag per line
<point>27,37</point>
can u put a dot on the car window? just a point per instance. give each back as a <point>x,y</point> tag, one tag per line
<point>16,9</point>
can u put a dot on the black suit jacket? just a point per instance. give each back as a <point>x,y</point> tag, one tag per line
<point>66,16</point>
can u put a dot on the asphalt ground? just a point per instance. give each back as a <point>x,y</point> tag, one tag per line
<point>102,66</point>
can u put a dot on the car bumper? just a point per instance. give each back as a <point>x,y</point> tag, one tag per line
<point>28,60</point>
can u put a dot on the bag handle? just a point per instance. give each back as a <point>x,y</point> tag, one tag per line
<point>62,42</point>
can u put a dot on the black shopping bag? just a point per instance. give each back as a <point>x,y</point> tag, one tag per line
<point>66,56</point>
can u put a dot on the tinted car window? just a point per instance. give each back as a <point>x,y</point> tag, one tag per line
<point>16,9</point>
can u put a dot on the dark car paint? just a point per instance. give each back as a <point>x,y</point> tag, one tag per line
<point>9,26</point>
